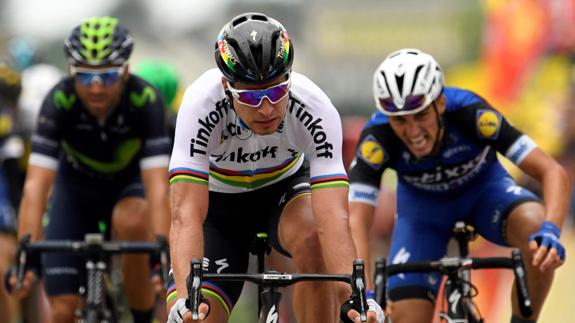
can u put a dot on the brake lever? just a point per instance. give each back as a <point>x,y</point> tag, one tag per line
<point>193,284</point>
<point>358,287</point>
<point>380,282</point>
<point>524,299</point>
<point>164,259</point>
<point>21,259</point>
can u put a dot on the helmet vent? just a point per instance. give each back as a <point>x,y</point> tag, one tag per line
<point>399,81</point>
<point>239,21</point>
<point>259,17</point>
<point>415,77</point>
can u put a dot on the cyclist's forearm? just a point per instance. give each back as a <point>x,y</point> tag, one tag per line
<point>335,238</point>
<point>189,209</point>
<point>556,188</point>
<point>34,200</point>
<point>361,220</point>
<point>186,242</point>
<point>555,183</point>
<point>156,184</point>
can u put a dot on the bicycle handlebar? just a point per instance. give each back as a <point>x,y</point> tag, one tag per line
<point>452,264</point>
<point>275,279</point>
<point>92,246</point>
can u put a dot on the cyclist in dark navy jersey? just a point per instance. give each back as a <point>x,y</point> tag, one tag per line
<point>258,148</point>
<point>99,145</point>
<point>442,141</point>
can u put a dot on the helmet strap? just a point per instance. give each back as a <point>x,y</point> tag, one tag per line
<point>440,127</point>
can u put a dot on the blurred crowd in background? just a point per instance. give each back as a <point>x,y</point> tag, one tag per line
<point>517,54</point>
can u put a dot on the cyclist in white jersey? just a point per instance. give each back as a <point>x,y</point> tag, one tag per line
<point>245,135</point>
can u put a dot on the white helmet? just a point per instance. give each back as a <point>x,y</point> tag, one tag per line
<point>406,82</point>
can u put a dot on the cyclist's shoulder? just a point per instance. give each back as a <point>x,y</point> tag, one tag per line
<point>307,92</point>
<point>459,98</point>
<point>205,94</point>
<point>141,94</point>
<point>62,97</point>
<point>208,82</point>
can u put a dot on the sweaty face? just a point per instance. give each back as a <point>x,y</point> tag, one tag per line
<point>420,131</point>
<point>265,118</point>
<point>99,88</point>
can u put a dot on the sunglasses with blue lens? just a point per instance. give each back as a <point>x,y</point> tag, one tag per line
<point>90,76</point>
<point>254,98</point>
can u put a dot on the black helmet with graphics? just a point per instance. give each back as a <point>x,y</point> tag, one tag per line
<point>99,41</point>
<point>253,48</point>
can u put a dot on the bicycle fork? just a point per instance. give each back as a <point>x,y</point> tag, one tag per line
<point>95,309</point>
<point>460,306</point>
<point>270,300</point>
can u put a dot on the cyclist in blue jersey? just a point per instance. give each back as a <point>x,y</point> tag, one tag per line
<point>442,141</point>
<point>99,154</point>
<point>258,149</point>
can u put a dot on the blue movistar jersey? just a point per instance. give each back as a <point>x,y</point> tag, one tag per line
<point>474,132</point>
<point>132,137</point>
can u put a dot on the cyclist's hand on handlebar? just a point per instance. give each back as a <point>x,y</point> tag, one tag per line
<point>158,284</point>
<point>11,283</point>
<point>374,314</point>
<point>179,313</point>
<point>548,252</point>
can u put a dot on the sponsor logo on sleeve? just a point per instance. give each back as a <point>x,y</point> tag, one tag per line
<point>372,152</point>
<point>488,124</point>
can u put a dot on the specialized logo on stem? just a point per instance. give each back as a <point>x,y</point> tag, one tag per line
<point>199,144</point>
<point>272,316</point>
<point>488,123</point>
<point>313,125</point>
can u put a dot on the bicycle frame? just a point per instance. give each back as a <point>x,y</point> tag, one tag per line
<point>271,281</point>
<point>452,265</point>
<point>95,252</point>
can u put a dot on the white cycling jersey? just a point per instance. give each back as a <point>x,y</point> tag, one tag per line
<point>213,145</point>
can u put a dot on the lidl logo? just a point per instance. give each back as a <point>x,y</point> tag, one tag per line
<point>488,123</point>
<point>371,151</point>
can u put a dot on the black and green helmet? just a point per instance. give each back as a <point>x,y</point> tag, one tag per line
<point>99,41</point>
<point>253,48</point>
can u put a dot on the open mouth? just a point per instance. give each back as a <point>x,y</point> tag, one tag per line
<point>419,142</point>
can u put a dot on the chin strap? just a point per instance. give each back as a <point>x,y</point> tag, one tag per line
<point>440,127</point>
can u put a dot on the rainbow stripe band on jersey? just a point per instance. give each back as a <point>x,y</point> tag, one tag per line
<point>253,178</point>
<point>209,289</point>
<point>188,175</point>
<point>327,181</point>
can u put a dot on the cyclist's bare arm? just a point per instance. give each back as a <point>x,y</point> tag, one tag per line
<point>189,210</point>
<point>155,182</point>
<point>37,187</point>
<point>555,183</point>
<point>556,188</point>
<point>330,208</point>
<point>361,220</point>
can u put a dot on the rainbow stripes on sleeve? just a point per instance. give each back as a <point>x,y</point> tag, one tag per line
<point>188,175</point>
<point>327,181</point>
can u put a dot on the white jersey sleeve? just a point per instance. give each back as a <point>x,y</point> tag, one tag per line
<point>201,117</point>
<point>319,126</point>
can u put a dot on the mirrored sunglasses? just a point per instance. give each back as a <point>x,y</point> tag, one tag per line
<point>254,98</point>
<point>412,102</point>
<point>89,76</point>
